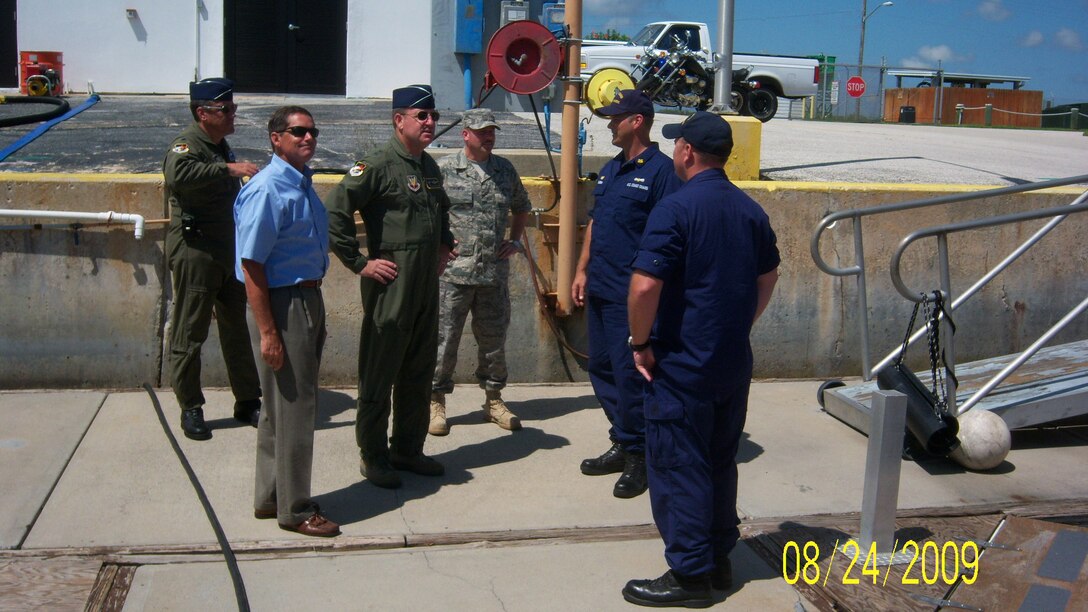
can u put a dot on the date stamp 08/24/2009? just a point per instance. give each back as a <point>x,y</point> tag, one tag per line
<point>929,563</point>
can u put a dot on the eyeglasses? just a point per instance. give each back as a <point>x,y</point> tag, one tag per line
<point>225,109</point>
<point>423,115</point>
<point>300,132</point>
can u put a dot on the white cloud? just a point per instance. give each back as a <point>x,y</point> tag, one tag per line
<point>936,53</point>
<point>1033,38</point>
<point>1069,39</point>
<point>913,62</point>
<point>993,10</point>
<point>928,56</point>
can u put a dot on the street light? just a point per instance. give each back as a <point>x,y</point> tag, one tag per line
<point>865,15</point>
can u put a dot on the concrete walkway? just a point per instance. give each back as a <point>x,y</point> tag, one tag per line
<point>512,525</point>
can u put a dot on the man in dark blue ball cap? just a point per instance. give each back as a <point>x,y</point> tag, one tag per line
<point>397,190</point>
<point>628,187</point>
<point>704,272</point>
<point>202,179</point>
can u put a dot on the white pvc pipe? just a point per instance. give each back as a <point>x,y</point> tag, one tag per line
<point>108,217</point>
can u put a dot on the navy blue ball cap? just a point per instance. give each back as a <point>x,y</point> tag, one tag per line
<point>413,96</point>
<point>218,89</point>
<point>629,101</point>
<point>704,131</point>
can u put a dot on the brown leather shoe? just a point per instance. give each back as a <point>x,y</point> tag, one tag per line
<point>264,514</point>
<point>316,525</point>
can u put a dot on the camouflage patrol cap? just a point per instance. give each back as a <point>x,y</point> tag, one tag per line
<point>478,119</point>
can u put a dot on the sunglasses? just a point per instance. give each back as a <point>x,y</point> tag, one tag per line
<point>423,115</point>
<point>300,132</point>
<point>226,108</point>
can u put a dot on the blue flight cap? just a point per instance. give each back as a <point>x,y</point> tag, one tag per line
<point>413,96</point>
<point>218,89</point>
<point>629,101</point>
<point>705,132</point>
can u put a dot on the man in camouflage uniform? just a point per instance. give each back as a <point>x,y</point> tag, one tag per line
<point>484,189</point>
<point>202,179</point>
<point>397,190</point>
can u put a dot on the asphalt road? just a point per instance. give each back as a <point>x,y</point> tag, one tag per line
<point>129,134</point>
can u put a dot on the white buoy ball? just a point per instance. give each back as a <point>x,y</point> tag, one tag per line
<point>984,440</point>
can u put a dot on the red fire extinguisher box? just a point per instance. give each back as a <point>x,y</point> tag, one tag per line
<point>41,73</point>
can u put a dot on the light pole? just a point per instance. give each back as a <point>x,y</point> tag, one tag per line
<point>865,15</point>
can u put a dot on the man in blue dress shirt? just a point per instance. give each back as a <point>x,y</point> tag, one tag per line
<point>628,187</point>
<point>704,272</point>
<point>283,244</point>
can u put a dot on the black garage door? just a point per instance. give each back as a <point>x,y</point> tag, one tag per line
<point>287,46</point>
<point>9,46</point>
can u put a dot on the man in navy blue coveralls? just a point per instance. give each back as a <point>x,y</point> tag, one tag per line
<point>704,272</point>
<point>628,187</point>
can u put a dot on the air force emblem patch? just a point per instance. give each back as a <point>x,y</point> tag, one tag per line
<point>413,182</point>
<point>358,169</point>
<point>181,148</point>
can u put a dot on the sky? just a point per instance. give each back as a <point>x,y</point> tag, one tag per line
<point>1044,40</point>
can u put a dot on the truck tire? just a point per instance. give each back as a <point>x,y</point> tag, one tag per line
<point>762,104</point>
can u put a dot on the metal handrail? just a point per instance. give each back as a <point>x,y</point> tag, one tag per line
<point>1059,213</point>
<point>941,231</point>
<point>858,269</point>
<point>983,281</point>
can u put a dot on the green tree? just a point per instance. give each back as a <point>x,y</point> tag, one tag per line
<point>609,34</point>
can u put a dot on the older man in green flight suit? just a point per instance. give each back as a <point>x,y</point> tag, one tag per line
<point>397,190</point>
<point>201,180</point>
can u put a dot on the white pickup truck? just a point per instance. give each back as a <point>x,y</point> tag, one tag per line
<point>785,76</point>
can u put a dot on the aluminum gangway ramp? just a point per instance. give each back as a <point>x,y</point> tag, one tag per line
<point>1050,387</point>
<point>1040,384</point>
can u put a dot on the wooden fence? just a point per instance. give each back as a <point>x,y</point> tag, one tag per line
<point>1003,100</point>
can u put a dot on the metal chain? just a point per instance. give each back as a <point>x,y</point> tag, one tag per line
<point>932,315</point>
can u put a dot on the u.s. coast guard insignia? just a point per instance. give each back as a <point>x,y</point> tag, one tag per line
<point>357,169</point>
<point>413,182</point>
<point>181,148</point>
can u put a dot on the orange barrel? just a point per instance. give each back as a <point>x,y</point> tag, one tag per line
<point>33,65</point>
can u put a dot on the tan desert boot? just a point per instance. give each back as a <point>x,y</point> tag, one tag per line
<point>496,411</point>
<point>438,426</point>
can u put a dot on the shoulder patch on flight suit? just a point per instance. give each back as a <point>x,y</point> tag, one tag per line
<point>413,182</point>
<point>358,169</point>
<point>432,183</point>
<point>181,148</point>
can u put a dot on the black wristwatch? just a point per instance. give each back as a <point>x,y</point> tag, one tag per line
<point>637,347</point>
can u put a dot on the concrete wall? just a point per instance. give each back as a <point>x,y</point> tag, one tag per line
<point>158,51</point>
<point>88,308</point>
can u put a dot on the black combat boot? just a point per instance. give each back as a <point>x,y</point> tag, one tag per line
<point>671,589</point>
<point>248,411</point>
<point>192,423</point>
<point>610,462</point>
<point>632,482</point>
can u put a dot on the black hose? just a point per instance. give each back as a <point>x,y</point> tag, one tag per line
<point>60,107</point>
<point>224,545</point>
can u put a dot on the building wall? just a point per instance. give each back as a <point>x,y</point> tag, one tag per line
<point>389,46</point>
<point>155,52</point>
<point>169,44</point>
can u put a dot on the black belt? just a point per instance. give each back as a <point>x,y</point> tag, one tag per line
<point>310,284</point>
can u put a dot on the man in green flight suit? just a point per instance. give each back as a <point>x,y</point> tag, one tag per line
<point>202,179</point>
<point>397,190</point>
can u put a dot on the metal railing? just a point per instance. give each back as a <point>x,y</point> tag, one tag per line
<point>858,270</point>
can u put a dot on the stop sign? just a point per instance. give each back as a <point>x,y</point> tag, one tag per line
<point>855,86</point>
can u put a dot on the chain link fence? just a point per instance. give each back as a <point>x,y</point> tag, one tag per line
<point>834,97</point>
